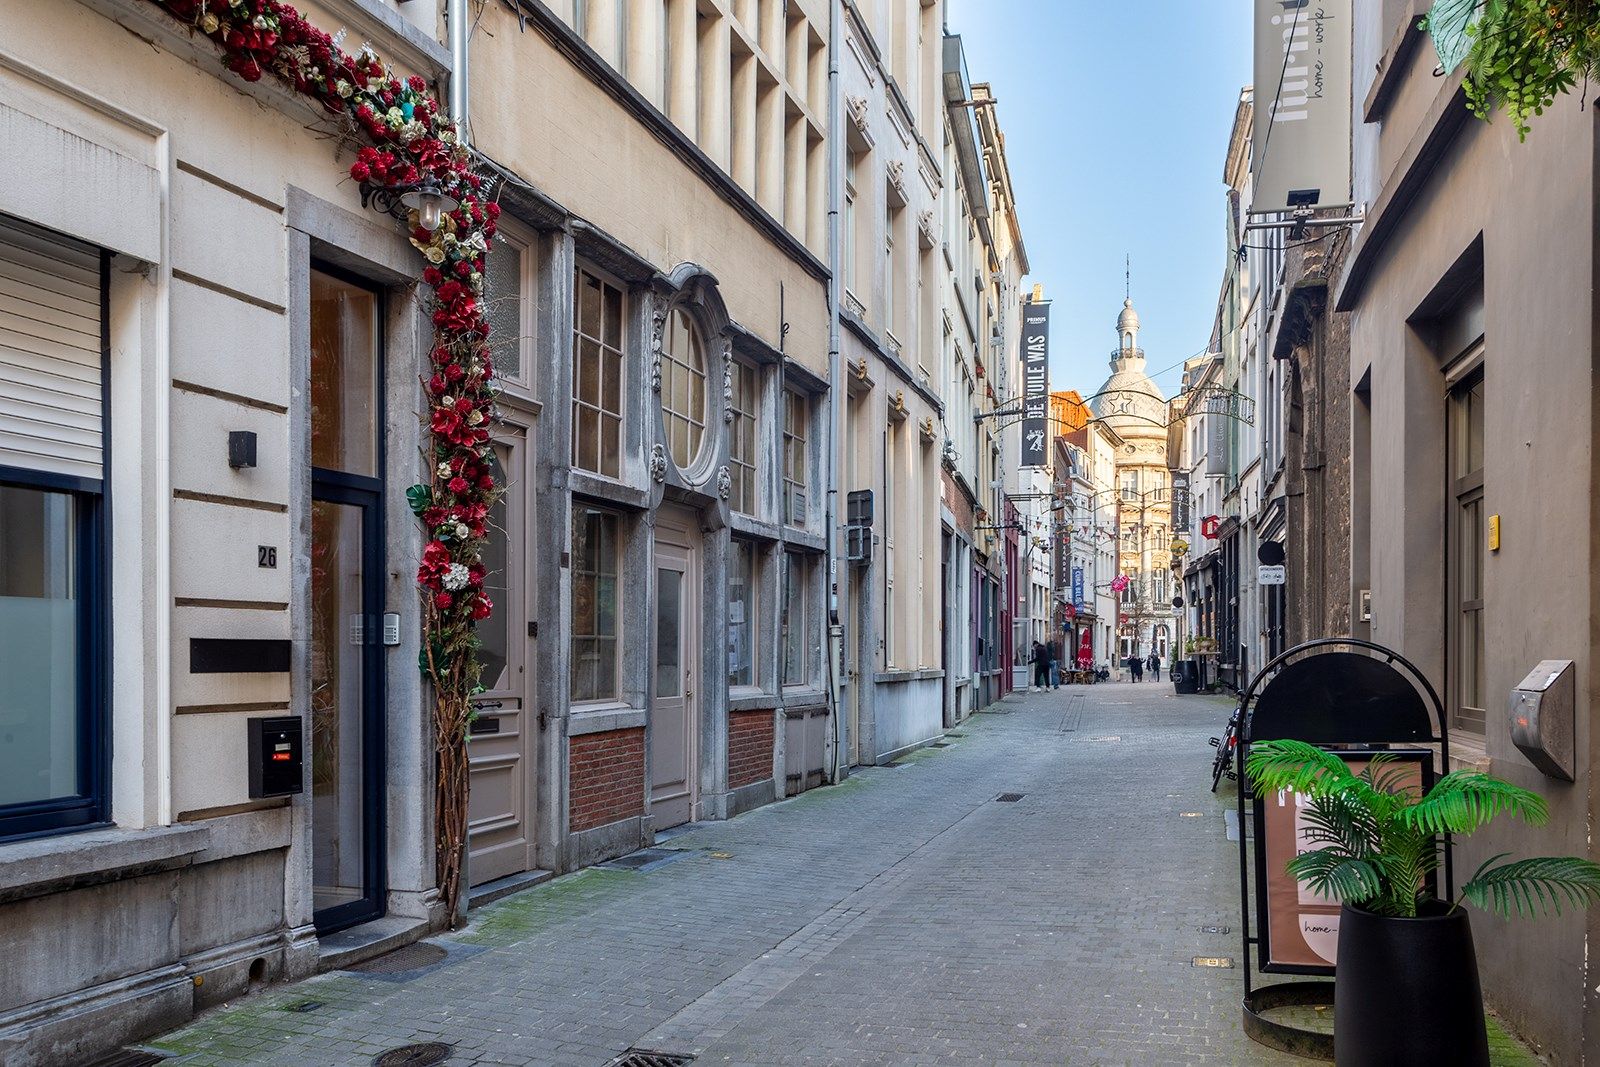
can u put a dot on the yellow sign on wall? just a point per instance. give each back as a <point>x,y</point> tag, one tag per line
<point>1494,533</point>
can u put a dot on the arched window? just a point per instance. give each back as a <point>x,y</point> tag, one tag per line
<point>683,388</point>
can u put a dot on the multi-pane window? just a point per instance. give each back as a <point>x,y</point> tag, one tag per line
<point>796,414</point>
<point>742,437</point>
<point>683,388</point>
<point>52,601</point>
<point>1130,485</point>
<point>594,674</point>
<point>597,376</point>
<point>1465,551</point>
<point>794,620</point>
<point>510,305</point>
<point>741,613</point>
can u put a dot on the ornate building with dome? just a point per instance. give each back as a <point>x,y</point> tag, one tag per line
<point>1130,403</point>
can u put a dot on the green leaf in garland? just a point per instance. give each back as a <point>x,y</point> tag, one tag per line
<point>420,497</point>
<point>1449,23</point>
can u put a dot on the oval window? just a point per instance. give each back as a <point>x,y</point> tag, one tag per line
<point>683,389</point>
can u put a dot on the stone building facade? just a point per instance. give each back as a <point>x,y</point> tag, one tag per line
<point>1470,295</point>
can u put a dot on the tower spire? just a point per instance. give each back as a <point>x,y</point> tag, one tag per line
<point>1127,276</point>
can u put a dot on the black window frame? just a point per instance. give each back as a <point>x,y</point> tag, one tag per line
<point>90,807</point>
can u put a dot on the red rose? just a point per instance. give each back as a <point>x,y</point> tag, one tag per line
<point>432,276</point>
<point>454,372</point>
<point>486,483</point>
<point>459,485</point>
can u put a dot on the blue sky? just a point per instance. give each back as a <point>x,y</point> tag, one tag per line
<point>1116,118</point>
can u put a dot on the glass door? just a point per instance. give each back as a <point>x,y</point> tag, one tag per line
<point>347,569</point>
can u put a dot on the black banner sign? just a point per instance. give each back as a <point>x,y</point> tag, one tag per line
<point>1035,384</point>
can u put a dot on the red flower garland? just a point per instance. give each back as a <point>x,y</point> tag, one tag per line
<point>409,139</point>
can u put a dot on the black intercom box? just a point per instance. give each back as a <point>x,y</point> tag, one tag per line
<point>276,756</point>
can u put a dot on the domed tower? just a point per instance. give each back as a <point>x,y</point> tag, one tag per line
<point>1130,403</point>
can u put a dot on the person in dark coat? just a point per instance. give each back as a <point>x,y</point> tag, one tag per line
<point>1041,665</point>
<point>1155,666</point>
<point>1136,668</point>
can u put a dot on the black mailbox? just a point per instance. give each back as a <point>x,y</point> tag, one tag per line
<point>276,750</point>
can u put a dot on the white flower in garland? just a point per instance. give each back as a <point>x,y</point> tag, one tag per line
<point>456,578</point>
<point>444,470</point>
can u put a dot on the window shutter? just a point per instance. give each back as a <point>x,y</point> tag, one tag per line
<point>50,353</point>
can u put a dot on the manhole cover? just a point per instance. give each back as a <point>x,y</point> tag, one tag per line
<point>1223,962</point>
<point>1010,798</point>
<point>411,958</point>
<point>638,1057</point>
<point>303,1006</point>
<point>423,1054</point>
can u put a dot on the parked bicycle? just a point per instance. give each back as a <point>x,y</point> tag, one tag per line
<point>1227,746</point>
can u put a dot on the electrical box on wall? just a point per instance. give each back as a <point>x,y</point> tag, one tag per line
<point>276,753</point>
<point>1541,710</point>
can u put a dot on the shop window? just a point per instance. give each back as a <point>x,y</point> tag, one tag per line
<point>512,310</point>
<point>53,611</point>
<point>742,627</point>
<point>595,609</point>
<point>795,620</point>
<point>597,346</point>
<point>683,388</point>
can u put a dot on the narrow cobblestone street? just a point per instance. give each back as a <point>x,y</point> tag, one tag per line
<point>906,916</point>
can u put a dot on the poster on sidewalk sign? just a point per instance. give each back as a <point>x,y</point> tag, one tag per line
<point>1300,933</point>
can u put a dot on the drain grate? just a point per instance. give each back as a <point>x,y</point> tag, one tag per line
<point>1009,798</point>
<point>640,1057</point>
<point>646,859</point>
<point>423,1054</point>
<point>411,958</point>
<point>128,1057</point>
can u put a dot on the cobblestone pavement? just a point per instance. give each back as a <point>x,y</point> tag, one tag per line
<point>904,916</point>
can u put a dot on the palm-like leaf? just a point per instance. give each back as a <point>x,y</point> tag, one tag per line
<point>1462,801</point>
<point>1341,821</point>
<point>1342,878</point>
<point>1298,766</point>
<point>1534,887</point>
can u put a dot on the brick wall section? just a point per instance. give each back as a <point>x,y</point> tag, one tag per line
<point>605,777</point>
<point>749,747</point>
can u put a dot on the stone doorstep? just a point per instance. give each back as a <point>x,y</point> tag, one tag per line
<point>489,892</point>
<point>361,943</point>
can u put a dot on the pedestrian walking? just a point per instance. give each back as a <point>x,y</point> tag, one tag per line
<point>1055,665</point>
<point>1136,668</point>
<point>1155,666</point>
<point>1041,665</point>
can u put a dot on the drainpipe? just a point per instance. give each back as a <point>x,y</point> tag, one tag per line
<point>460,33</point>
<point>837,400</point>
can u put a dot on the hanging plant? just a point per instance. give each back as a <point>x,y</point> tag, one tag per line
<point>1519,54</point>
<point>406,141</point>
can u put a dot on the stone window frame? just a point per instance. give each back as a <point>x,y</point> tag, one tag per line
<point>744,437</point>
<point>673,363</point>
<point>620,360</point>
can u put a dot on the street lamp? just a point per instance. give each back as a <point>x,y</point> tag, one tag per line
<point>425,198</point>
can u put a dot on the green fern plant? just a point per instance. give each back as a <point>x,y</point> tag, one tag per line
<point>1380,840</point>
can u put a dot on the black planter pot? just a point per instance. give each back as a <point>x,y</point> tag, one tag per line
<point>1407,991</point>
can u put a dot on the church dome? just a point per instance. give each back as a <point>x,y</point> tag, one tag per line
<point>1129,402</point>
<point>1128,321</point>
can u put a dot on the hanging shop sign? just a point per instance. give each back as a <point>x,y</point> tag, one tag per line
<point>1301,139</point>
<point>1119,583</point>
<point>1077,587</point>
<point>1210,526</point>
<point>1035,383</point>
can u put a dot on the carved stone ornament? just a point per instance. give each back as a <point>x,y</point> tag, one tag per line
<point>727,384</point>
<point>927,230</point>
<point>897,180</point>
<point>724,482</point>
<point>857,106</point>
<point>658,328</point>
<point>658,462</point>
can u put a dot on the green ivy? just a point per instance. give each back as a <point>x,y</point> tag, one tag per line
<point>1519,54</point>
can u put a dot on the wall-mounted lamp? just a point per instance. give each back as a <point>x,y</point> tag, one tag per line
<point>241,449</point>
<point>425,198</point>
